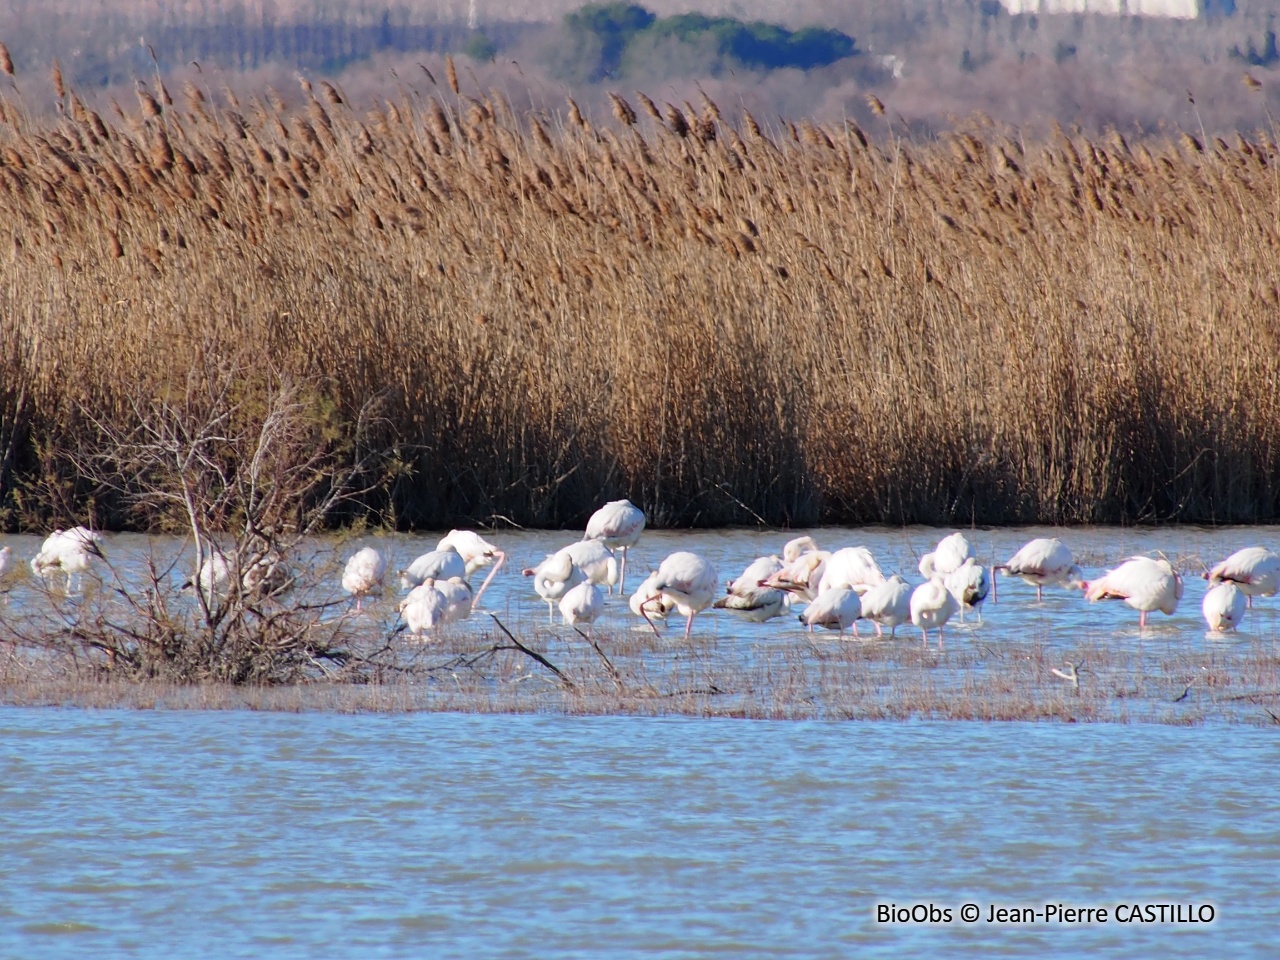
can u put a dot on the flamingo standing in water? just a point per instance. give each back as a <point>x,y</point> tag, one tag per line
<point>836,609</point>
<point>948,557</point>
<point>434,565</point>
<point>1042,562</point>
<point>619,524</point>
<point>888,605</point>
<point>595,560</point>
<point>476,553</point>
<point>1255,570</point>
<point>363,574</point>
<point>1141,582</point>
<point>554,577</point>
<point>968,584</point>
<point>1223,607</point>
<point>746,595</point>
<point>932,605</point>
<point>852,567</point>
<point>582,604</point>
<point>71,551</point>
<point>687,581</point>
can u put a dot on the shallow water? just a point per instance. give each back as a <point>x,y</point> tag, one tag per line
<point>1000,666</point>
<point>195,834</point>
<point>1191,549</point>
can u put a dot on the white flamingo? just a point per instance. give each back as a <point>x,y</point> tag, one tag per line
<point>932,605</point>
<point>1255,570</point>
<point>794,548</point>
<point>888,605</point>
<point>836,609</point>
<point>214,572</point>
<point>1041,563</point>
<point>1223,607</point>
<point>1141,582</point>
<point>801,577</point>
<point>619,524</point>
<point>968,584</point>
<point>554,577</point>
<point>745,594</point>
<point>950,554</point>
<point>434,565</point>
<point>852,567</point>
<point>5,568</point>
<point>267,575</point>
<point>645,603</point>
<point>582,604</point>
<point>595,560</point>
<point>476,553</point>
<point>686,580</point>
<point>424,607</point>
<point>71,551</point>
<point>363,574</point>
<point>459,599</point>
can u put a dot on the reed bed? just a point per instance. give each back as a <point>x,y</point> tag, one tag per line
<point>726,321</point>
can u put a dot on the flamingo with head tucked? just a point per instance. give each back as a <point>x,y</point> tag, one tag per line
<point>1141,582</point>
<point>1041,563</point>
<point>1255,570</point>
<point>1223,607</point>
<point>687,581</point>
<point>363,574</point>
<point>619,524</point>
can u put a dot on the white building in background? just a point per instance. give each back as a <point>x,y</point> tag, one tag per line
<point>1176,9</point>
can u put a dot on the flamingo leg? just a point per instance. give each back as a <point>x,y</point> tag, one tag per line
<point>939,638</point>
<point>1248,601</point>
<point>879,630</point>
<point>644,614</point>
<point>622,573</point>
<point>688,627</point>
<point>1142,619</point>
<point>475,603</point>
<point>1039,593</point>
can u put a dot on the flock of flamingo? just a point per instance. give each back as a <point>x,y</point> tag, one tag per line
<point>834,589</point>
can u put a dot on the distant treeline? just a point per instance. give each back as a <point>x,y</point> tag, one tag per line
<point>615,39</point>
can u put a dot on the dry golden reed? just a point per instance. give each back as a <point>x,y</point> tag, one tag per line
<point>791,324</point>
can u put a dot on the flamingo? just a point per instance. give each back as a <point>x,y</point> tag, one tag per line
<point>554,577</point>
<point>835,609</point>
<point>363,574</point>
<point>746,595</point>
<point>1223,607</point>
<point>644,603</point>
<point>424,607</point>
<point>968,584</point>
<point>852,567</point>
<point>70,551</point>
<point>932,605</point>
<point>476,553</point>
<point>595,560</point>
<point>267,575</point>
<point>794,548</point>
<point>215,570</point>
<point>459,599</point>
<point>1141,582</point>
<point>888,605</point>
<point>619,524</point>
<point>950,554</point>
<point>4,563</point>
<point>1255,570</point>
<point>688,581</point>
<point>1042,562</point>
<point>582,604</point>
<point>801,577</point>
<point>435,565</point>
